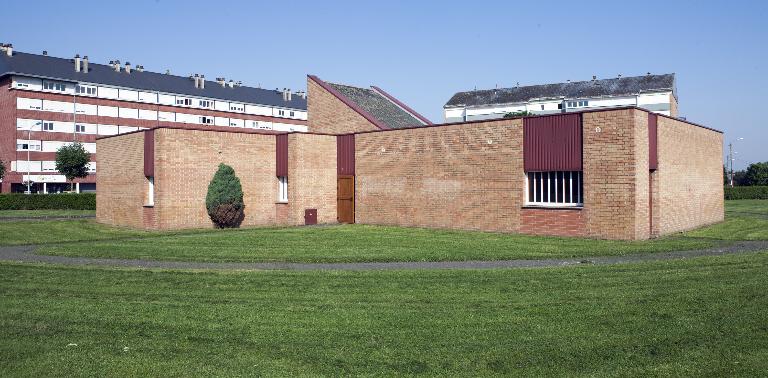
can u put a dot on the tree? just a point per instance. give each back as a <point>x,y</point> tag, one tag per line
<point>72,162</point>
<point>224,200</point>
<point>757,174</point>
<point>521,113</point>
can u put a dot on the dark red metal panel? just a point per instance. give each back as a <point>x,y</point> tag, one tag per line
<point>310,216</point>
<point>653,141</point>
<point>281,158</point>
<point>149,153</point>
<point>552,143</point>
<point>345,154</point>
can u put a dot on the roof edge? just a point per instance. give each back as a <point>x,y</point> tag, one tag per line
<point>349,103</point>
<point>401,105</point>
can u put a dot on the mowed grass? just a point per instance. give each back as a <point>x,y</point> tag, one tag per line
<point>703,316</point>
<point>360,243</point>
<point>745,220</point>
<point>45,213</point>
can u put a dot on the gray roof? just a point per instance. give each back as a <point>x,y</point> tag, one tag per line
<point>64,69</point>
<point>579,89</point>
<point>378,106</point>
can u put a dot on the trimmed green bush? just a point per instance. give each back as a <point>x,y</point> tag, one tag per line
<point>224,200</point>
<point>746,192</point>
<point>18,201</point>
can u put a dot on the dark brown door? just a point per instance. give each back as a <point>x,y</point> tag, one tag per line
<point>345,199</point>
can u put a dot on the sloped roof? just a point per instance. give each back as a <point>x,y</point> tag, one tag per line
<point>580,89</point>
<point>379,106</point>
<point>64,69</point>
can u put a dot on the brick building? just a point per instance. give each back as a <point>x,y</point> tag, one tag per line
<point>51,102</point>
<point>622,173</point>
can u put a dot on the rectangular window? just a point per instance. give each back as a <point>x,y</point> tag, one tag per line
<point>206,103</point>
<point>47,126</point>
<point>555,188</point>
<point>79,128</point>
<point>282,190</point>
<point>206,120</point>
<point>150,191</point>
<point>291,114</point>
<point>281,112</point>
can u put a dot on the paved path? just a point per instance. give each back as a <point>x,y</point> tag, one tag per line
<point>26,254</point>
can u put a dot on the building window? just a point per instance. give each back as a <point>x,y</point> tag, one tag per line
<point>81,89</point>
<point>206,120</point>
<point>554,188</point>
<point>281,112</point>
<point>236,108</point>
<point>150,191</point>
<point>282,190</point>
<point>206,103</point>
<point>291,114</point>
<point>47,126</point>
<point>79,128</point>
<point>28,146</point>
<point>542,107</point>
<point>54,86</point>
<point>184,101</point>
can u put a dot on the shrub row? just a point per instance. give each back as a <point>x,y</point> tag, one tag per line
<point>17,201</point>
<point>746,192</point>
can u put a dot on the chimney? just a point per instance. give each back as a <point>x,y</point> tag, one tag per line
<point>196,79</point>
<point>231,83</point>
<point>45,52</point>
<point>594,77</point>
<point>139,68</point>
<point>619,76</point>
<point>117,66</point>
<point>302,94</point>
<point>9,49</point>
<point>85,64</point>
<point>222,81</point>
<point>127,67</point>
<point>649,74</point>
<point>202,81</point>
<point>77,62</point>
<point>568,81</point>
<point>238,83</point>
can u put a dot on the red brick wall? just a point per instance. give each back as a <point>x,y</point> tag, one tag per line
<point>311,177</point>
<point>185,162</point>
<point>121,184</point>
<point>462,176</point>
<point>557,222</point>
<point>328,114</point>
<point>7,133</point>
<point>616,174</point>
<point>690,176</point>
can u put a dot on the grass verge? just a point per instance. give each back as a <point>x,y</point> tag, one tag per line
<point>44,213</point>
<point>704,316</point>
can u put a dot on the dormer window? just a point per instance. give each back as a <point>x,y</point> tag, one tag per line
<point>54,86</point>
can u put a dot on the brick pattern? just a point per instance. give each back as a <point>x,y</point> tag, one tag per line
<point>327,114</point>
<point>690,176</point>
<point>311,177</point>
<point>7,133</point>
<point>615,161</point>
<point>185,162</point>
<point>554,222</point>
<point>461,176</point>
<point>122,185</point>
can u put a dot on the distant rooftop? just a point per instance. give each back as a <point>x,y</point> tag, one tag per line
<point>379,106</point>
<point>48,67</point>
<point>621,86</point>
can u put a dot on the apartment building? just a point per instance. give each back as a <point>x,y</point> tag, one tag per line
<point>655,93</point>
<point>51,102</point>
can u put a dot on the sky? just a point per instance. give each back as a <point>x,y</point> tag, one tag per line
<point>423,52</point>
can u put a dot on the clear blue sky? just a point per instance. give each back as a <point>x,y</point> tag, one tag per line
<point>422,52</point>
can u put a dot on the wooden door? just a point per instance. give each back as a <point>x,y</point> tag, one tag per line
<point>345,199</point>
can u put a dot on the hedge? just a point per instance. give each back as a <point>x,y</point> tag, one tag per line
<point>746,192</point>
<point>18,201</point>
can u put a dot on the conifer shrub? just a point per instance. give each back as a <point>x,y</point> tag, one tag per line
<point>224,200</point>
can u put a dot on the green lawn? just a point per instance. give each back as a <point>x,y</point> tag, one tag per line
<point>746,220</point>
<point>703,316</point>
<point>45,213</point>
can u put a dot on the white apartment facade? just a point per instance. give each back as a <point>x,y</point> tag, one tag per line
<point>655,93</point>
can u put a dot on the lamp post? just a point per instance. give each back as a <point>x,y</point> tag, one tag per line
<point>29,146</point>
<point>730,160</point>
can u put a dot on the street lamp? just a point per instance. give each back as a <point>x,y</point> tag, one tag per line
<point>731,159</point>
<point>29,167</point>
